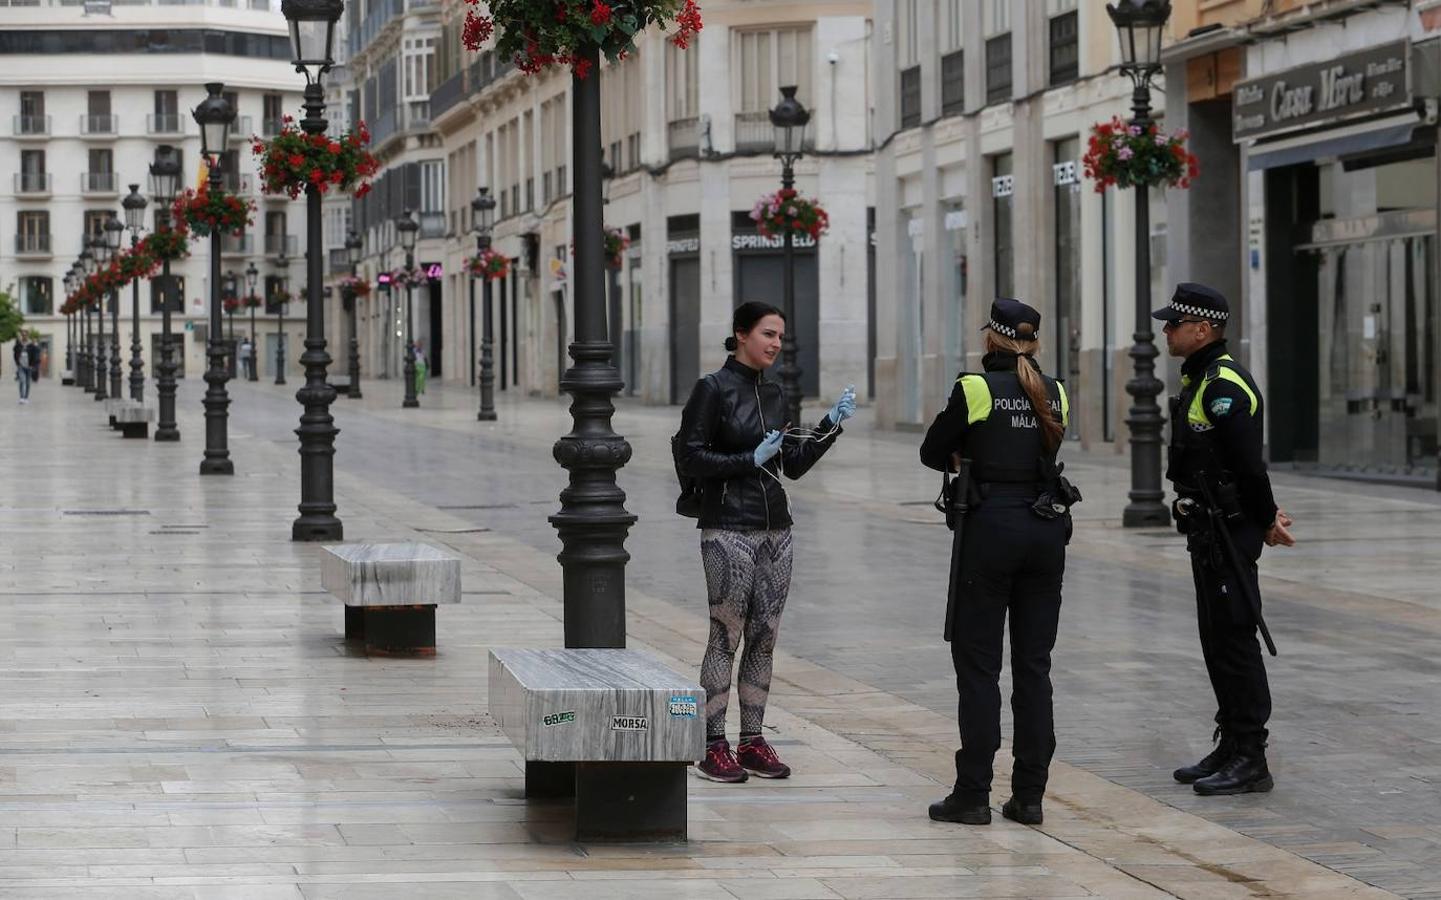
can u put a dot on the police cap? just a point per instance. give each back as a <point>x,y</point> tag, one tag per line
<point>1008,315</point>
<point>1197,301</point>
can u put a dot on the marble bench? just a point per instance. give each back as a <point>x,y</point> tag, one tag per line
<point>615,729</point>
<point>133,419</point>
<point>390,592</point>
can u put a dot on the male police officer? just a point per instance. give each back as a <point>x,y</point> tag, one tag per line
<point>1226,510</point>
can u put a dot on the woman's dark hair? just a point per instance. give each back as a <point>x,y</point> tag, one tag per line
<point>745,318</point>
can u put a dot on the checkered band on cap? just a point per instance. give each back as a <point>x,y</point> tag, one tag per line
<point>1186,309</point>
<point>1008,331</point>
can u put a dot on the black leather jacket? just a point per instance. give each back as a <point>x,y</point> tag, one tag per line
<point>727,415</point>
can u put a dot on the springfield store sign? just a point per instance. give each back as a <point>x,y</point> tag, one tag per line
<point>1363,82</point>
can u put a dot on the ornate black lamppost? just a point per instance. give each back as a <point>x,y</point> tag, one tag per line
<point>353,248</point>
<point>134,206</point>
<point>592,523</point>
<point>215,115</point>
<point>164,183</point>
<point>789,118</point>
<point>408,229</point>
<point>100,254</point>
<point>282,262</point>
<point>114,237</point>
<point>482,216</point>
<point>252,274</point>
<point>87,268</point>
<point>312,37</point>
<point>1139,24</point>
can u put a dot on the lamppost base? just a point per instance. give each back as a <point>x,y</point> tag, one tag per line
<point>167,435</point>
<point>484,416</point>
<point>410,404</point>
<point>216,467</point>
<point>317,528</point>
<point>354,393</point>
<point>1146,514</point>
<point>279,379</point>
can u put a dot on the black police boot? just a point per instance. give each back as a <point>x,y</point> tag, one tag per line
<point>1212,764</point>
<point>1245,773</point>
<point>953,810</point>
<point>1024,813</point>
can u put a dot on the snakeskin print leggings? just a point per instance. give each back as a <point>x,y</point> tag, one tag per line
<point>748,575</point>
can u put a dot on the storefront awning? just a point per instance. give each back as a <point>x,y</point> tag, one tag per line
<point>1375,134</point>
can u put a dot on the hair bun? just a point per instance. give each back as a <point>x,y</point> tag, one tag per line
<point>731,344</point>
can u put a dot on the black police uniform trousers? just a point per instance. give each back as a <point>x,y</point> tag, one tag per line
<point>1012,562</point>
<point>1229,640</point>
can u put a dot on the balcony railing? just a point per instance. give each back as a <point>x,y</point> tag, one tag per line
<point>383,126</point>
<point>417,115</point>
<point>270,127</point>
<point>32,182</point>
<point>164,123</point>
<point>235,244</point>
<point>432,224</point>
<point>274,243</point>
<point>33,243</point>
<point>98,125</point>
<point>380,15</point>
<point>450,92</point>
<point>98,182</point>
<point>240,129</point>
<point>754,132</point>
<point>683,138</point>
<point>337,261</point>
<point>32,126</point>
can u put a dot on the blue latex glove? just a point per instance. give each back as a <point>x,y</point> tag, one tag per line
<point>768,447</point>
<point>845,407</point>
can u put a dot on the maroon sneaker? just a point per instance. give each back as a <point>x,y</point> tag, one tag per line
<point>759,758</point>
<point>720,764</point>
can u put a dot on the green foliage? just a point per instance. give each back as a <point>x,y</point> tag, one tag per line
<point>11,319</point>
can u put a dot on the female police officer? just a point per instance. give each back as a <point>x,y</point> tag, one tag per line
<point>1007,423</point>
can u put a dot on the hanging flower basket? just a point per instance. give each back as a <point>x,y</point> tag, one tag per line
<point>204,211</point>
<point>171,244</point>
<point>488,264</point>
<point>355,287</point>
<point>403,277</point>
<point>231,304</point>
<point>250,302</point>
<point>1122,155</point>
<point>787,212</point>
<point>136,263</point>
<point>293,160</point>
<point>536,34</point>
<point>617,241</point>
<point>279,298</point>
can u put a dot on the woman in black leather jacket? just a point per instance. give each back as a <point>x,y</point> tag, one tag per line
<point>735,438</point>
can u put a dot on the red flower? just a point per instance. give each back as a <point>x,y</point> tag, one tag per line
<point>582,68</point>
<point>477,30</point>
<point>334,147</point>
<point>362,190</point>
<point>296,160</point>
<point>599,12</point>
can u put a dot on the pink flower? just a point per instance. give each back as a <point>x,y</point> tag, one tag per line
<point>1125,153</point>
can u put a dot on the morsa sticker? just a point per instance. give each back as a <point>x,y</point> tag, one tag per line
<point>683,707</point>
<point>1220,406</point>
<point>560,718</point>
<point>629,723</point>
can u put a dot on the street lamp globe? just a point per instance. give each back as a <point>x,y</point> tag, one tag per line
<point>87,260</point>
<point>1139,24</point>
<point>408,229</point>
<point>134,205</point>
<point>252,274</point>
<point>312,34</point>
<point>789,119</point>
<point>482,210</point>
<point>354,246</point>
<point>114,230</point>
<point>165,175</point>
<point>214,115</point>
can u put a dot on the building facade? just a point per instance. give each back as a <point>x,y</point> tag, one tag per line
<point>689,156</point>
<point>1316,126</point>
<point>89,95</point>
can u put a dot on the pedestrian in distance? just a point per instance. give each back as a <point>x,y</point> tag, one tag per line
<point>1010,507</point>
<point>421,368</point>
<point>733,446</point>
<point>22,369</point>
<point>33,358</point>
<point>1227,511</point>
<point>247,358</point>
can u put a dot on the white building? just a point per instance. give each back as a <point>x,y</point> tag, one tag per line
<point>985,109</point>
<point>88,94</point>
<point>687,136</point>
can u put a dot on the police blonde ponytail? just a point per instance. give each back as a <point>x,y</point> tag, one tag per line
<point>1031,381</point>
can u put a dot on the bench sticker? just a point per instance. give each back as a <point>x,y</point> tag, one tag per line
<point>683,707</point>
<point>629,723</point>
<point>560,718</point>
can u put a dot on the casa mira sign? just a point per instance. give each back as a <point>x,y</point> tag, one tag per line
<point>1364,82</point>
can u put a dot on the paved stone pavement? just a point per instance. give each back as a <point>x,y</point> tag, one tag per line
<point>181,718</point>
